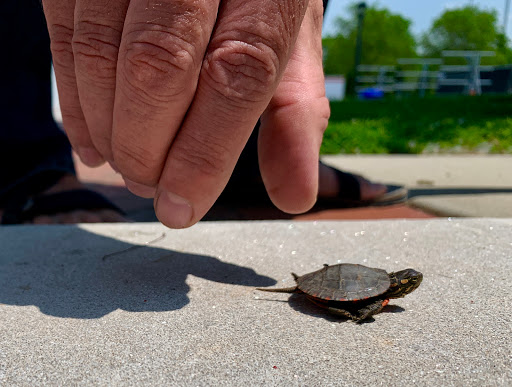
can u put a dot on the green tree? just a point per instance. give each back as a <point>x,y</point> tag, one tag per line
<point>467,28</point>
<point>386,37</point>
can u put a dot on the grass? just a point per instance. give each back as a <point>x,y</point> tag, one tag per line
<point>412,125</point>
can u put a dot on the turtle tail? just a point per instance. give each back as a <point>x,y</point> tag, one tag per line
<point>293,289</point>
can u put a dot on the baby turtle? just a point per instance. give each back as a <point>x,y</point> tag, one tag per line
<point>353,291</point>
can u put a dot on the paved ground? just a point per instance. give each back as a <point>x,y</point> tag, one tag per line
<point>183,310</point>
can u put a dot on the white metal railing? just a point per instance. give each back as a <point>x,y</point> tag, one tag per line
<point>389,79</point>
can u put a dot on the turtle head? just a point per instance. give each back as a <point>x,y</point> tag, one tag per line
<point>403,282</point>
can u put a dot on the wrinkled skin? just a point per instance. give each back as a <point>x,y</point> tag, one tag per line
<point>169,91</point>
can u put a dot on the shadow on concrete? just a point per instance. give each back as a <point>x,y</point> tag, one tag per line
<point>415,192</point>
<point>60,270</point>
<point>301,304</point>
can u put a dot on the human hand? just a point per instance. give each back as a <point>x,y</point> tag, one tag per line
<point>168,92</point>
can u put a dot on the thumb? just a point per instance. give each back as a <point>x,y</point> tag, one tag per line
<point>293,124</point>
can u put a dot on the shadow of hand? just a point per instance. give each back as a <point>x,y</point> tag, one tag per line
<point>62,279</point>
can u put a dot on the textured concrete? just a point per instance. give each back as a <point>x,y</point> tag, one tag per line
<point>471,171</point>
<point>183,309</point>
<point>474,205</point>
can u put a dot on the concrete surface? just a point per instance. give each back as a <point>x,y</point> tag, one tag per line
<point>183,310</point>
<point>446,185</point>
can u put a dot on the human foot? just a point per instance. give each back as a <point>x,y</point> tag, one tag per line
<point>329,185</point>
<point>88,206</point>
<point>349,189</point>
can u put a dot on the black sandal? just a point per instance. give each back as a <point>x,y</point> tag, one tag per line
<point>25,202</point>
<point>20,211</point>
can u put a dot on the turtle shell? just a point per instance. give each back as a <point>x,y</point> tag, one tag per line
<point>345,282</point>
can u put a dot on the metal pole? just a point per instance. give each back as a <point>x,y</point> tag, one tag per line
<point>361,8</point>
<point>506,17</point>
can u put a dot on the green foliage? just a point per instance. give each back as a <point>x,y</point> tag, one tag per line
<point>415,125</point>
<point>467,28</point>
<point>386,37</point>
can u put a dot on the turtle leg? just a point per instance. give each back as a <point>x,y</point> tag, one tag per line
<point>363,313</point>
<point>342,313</point>
<point>371,309</point>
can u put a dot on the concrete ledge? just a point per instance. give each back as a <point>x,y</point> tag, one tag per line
<point>475,171</point>
<point>446,185</point>
<point>183,310</point>
<point>493,205</point>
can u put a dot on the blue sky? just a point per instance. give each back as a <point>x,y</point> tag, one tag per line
<point>421,12</point>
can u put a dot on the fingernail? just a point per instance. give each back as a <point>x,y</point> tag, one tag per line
<point>138,189</point>
<point>173,210</point>
<point>90,156</point>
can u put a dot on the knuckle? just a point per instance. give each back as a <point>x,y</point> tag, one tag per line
<point>242,72</point>
<point>203,153</point>
<point>325,113</point>
<point>137,163</point>
<point>321,109</point>
<point>61,36</point>
<point>95,48</point>
<point>155,62</point>
<point>73,116</point>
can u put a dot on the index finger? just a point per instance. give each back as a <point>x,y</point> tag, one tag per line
<point>60,20</point>
<point>244,62</point>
